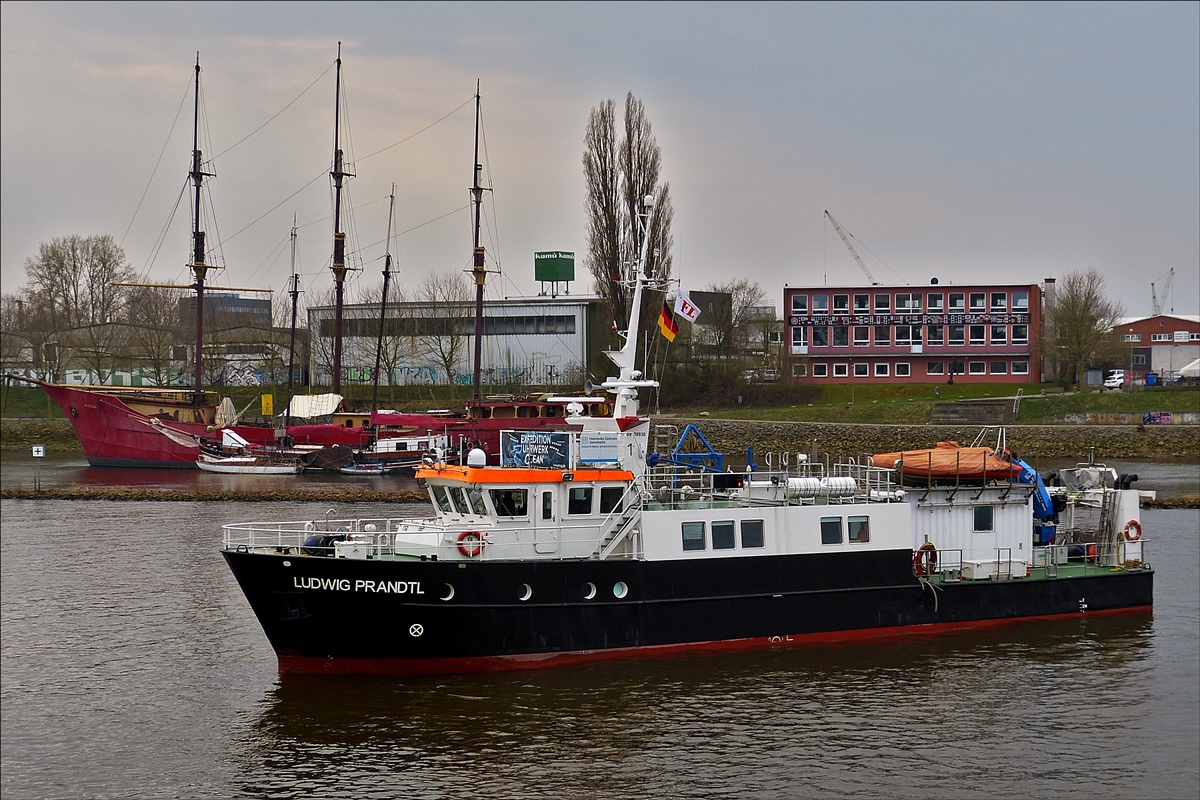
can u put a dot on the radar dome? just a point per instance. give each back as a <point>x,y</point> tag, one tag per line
<point>476,458</point>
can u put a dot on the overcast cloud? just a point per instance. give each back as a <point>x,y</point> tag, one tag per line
<point>968,142</point>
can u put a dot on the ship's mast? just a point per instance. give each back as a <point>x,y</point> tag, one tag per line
<point>338,173</point>
<point>477,271</point>
<point>387,271</point>
<point>198,266</point>
<point>295,293</point>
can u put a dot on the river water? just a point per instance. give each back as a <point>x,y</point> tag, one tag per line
<point>131,666</point>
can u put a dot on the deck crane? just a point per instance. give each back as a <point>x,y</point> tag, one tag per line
<point>1156,306</point>
<point>846,239</point>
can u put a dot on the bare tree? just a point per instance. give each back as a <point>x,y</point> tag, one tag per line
<point>1079,324</point>
<point>446,330</point>
<point>153,314</point>
<point>618,178</point>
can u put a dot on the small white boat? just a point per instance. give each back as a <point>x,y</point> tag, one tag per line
<point>362,469</point>
<point>248,465</point>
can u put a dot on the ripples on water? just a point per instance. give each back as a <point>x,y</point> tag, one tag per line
<point>132,666</point>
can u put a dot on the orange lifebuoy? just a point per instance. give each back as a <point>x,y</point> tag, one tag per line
<point>925,560</point>
<point>470,543</point>
<point>1133,530</point>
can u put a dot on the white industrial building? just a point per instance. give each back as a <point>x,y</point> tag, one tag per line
<point>534,341</point>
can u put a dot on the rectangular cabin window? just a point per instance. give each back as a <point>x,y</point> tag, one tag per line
<point>547,505</point>
<point>693,536</point>
<point>984,519</point>
<point>511,502</point>
<point>752,533</point>
<point>459,496</point>
<point>610,499</point>
<point>831,530</point>
<point>442,499</point>
<point>579,500</point>
<point>477,504</point>
<point>722,535</point>
<point>860,528</point>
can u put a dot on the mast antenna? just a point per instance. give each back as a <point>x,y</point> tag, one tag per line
<point>295,293</point>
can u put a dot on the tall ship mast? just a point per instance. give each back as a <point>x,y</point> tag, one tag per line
<point>339,174</point>
<point>478,271</point>
<point>198,266</point>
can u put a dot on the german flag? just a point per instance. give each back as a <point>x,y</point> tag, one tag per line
<point>667,324</point>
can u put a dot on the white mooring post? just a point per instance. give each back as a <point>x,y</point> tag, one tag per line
<point>38,452</point>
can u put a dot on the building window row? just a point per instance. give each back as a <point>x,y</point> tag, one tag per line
<point>910,303</point>
<point>909,335</point>
<point>883,369</point>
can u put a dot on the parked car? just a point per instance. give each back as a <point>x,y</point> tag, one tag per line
<point>1115,379</point>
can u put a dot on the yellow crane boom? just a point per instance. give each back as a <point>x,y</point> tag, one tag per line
<point>849,246</point>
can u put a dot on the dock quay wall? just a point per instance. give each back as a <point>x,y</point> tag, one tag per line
<point>732,437</point>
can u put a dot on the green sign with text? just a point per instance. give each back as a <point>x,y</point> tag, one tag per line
<point>554,265</point>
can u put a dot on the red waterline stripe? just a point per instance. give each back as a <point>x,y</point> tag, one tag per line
<point>307,665</point>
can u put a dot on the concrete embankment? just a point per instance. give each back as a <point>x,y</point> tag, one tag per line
<point>732,437</point>
<point>332,495</point>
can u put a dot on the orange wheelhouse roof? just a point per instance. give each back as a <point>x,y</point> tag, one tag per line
<point>519,474</point>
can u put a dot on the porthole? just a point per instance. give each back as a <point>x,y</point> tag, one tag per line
<point>449,592</point>
<point>589,591</point>
<point>620,589</point>
<point>526,592</point>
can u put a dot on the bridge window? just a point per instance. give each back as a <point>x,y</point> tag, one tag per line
<point>441,499</point>
<point>752,533</point>
<point>722,535</point>
<point>860,529</point>
<point>831,530</point>
<point>460,501</point>
<point>610,498</point>
<point>477,504</point>
<point>511,502</point>
<point>579,500</point>
<point>693,536</point>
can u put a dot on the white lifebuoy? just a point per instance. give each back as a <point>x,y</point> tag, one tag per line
<point>1133,530</point>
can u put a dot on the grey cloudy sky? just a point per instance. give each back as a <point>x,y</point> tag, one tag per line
<point>968,142</point>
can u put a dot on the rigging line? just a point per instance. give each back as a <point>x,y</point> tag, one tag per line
<point>163,233</point>
<point>276,114</point>
<point>154,172</point>
<point>320,175</point>
<point>423,224</point>
<point>326,219</point>
<point>469,100</point>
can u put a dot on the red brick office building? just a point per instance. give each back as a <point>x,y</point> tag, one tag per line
<point>979,333</point>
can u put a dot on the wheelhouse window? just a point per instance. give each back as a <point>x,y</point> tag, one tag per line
<point>820,304</point>
<point>956,303</point>
<point>547,505</point>
<point>936,305</point>
<point>841,336</point>
<point>752,533</point>
<point>860,529</point>
<point>862,304</point>
<point>693,536</point>
<point>984,519</point>
<point>610,498</point>
<point>723,536</point>
<point>841,304</point>
<point>883,304</point>
<point>511,502</point>
<point>799,305</point>
<point>862,370</point>
<point>579,500</point>
<point>937,335</point>
<point>831,530</point>
<point>477,504</point>
<point>978,302</point>
<point>442,499</point>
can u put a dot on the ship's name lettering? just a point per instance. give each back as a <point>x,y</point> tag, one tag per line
<point>345,585</point>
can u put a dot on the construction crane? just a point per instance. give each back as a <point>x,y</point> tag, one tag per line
<point>1156,306</point>
<point>846,239</point>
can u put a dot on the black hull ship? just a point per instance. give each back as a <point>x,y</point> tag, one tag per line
<point>585,546</point>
